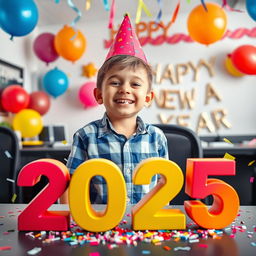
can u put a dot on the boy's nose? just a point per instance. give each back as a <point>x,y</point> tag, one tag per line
<point>125,88</point>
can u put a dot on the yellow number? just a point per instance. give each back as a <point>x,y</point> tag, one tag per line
<point>79,196</point>
<point>148,213</point>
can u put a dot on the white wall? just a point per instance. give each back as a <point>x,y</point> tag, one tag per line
<point>238,94</point>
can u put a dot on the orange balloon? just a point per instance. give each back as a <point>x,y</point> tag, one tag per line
<point>70,43</point>
<point>207,27</point>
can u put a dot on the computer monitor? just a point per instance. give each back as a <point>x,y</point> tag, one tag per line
<point>53,134</point>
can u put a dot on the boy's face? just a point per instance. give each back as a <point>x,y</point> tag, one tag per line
<point>124,92</point>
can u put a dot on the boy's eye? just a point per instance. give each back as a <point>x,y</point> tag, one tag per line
<point>115,83</point>
<point>136,84</point>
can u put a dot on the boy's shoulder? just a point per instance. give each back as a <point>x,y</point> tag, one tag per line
<point>152,129</point>
<point>89,128</point>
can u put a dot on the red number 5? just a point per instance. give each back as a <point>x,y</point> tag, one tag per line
<point>226,201</point>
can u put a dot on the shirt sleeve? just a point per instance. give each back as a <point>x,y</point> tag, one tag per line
<point>163,147</point>
<point>78,152</point>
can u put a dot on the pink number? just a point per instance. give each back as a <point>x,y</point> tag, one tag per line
<point>35,216</point>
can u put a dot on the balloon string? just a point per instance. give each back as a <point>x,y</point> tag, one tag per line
<point>106,5</point>
<point>159,15</point>
<point>112,14</point>
<point>79,14</point>
<point>203,3</point>
<point>141,5</point>
<point>226,5</point>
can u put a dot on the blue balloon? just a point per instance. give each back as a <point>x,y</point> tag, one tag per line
<point>18,17</point>
<point>55,82</point>
<point>251,8</point>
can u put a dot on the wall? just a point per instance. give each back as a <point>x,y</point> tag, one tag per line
<point>238,94</point>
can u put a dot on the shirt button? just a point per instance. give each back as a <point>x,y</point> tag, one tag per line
<point>128,171</point>
<point>128,200</point>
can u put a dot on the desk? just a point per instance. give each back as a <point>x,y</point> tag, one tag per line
<point>21,243</point>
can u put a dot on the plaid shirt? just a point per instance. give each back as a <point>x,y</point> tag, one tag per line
<point>98,139</point>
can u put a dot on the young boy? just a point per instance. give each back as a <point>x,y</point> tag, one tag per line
<point>124,87</point>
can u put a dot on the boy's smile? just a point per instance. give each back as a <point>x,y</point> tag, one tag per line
<point>124,92</point>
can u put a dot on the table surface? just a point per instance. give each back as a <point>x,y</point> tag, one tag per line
<point>21,242</point>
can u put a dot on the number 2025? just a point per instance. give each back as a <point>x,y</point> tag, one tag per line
<point>149,213</point>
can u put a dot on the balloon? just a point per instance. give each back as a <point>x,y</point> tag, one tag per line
<point>40,102</point>
<point>28,122</point>
<point>251,8</point>
<point>70,43</point>
<point>14,98</point>
<point>18,18</point>
<point>55,82</point>
<point>231,68</point>
<point>44,47</point>
<point>207,27</point>
<point>86,95</point>
<point>244,59</point>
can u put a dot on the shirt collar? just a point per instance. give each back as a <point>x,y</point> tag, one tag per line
<point>105,126</point>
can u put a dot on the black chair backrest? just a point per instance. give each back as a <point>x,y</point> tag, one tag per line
<point>183,143</point>
<point>9,161</point>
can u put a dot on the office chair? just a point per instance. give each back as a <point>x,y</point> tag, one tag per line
<point>183,143</point>
<point>9,163</point>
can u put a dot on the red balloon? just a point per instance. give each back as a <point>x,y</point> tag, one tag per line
<point>86,96</point>
<point>39,101</point>
<point>244,59</point>
<point>14,98</point>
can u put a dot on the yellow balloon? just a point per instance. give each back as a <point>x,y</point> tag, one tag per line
<point>28,122</point>
<point>231,68</point>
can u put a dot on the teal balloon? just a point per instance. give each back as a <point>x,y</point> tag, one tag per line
<point>251,8</point>
<point>18,17</point>
<point>55,82</point>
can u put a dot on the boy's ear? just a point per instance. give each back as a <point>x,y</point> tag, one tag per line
<point>98,95</point>
<point>149,98</point>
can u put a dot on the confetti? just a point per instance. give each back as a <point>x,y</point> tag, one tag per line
<point>203,245</point>
<point>146,252</point>
<point>34,251</point>
<point>251,179</point>
<point>5,248</point>
<point>14,196</point>
<point>251,163</point>
<point>10,180</point>
<point>94,254</point>
<point>184,248</point>
<point>7,153</point>
<point>167,248</point>
<point>253,244</point>
<point>228,156</point>
<point>228,141</point>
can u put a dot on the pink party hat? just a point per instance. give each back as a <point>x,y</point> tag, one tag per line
<point>126,42</point>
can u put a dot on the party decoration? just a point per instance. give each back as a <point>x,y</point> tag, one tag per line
<point>55,82</point>
<point>18,18</point>
<point>70,43</point>
<point>14,98</point>
<point>232,70</point>
<point>78,12</point>
<point>44,47</point>
<point>157,34</point>
<point>28,122</point>
<point>244,59</point>
<point>207,27</point>
<point>86,95</point>
<point>89,70</point>
<point>251,8</point>
<point>126,42</point>
<point>40,102</point>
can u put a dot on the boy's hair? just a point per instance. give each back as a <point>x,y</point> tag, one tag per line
<point>123,61</point>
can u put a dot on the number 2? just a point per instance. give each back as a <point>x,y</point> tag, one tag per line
<point>35,216</point>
